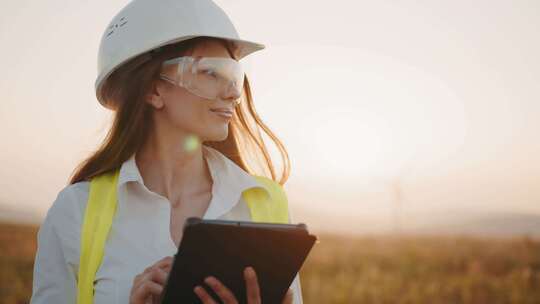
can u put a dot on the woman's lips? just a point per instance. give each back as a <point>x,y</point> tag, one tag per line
<point>223,113</point>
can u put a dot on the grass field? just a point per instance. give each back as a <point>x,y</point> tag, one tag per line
<point>422,270</point>
<point>383,269</point>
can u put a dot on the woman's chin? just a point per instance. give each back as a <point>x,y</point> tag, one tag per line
<point>220,134</point>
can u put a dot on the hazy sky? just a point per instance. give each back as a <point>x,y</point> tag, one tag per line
<point>441,98</point>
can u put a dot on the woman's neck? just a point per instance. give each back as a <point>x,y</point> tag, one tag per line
<point>173,168</point>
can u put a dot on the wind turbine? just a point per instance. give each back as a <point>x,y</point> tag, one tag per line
<point>394,183</point>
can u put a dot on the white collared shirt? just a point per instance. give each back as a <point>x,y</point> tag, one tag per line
<point>139,235</point>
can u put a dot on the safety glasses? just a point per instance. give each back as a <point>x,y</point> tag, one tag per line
<point>207,77</point>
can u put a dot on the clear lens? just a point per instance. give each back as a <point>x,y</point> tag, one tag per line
<point>209,77</point>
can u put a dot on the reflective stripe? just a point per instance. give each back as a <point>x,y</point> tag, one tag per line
<point>101,207</point>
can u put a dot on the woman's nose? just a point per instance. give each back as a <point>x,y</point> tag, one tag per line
<point>232,92</point>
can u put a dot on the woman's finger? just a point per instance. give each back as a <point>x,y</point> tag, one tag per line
<point>148,285</point>
<point>156,275</point>
<point>164,263</point>
<point>221,290</point>
<point>203,295</point>
<point>252,292</point>
<point>288,299</point>
<point>140,294</point>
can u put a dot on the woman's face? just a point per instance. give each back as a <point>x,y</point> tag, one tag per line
<point>179,109</point>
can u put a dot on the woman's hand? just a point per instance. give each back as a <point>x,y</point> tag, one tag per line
<point>148,285</point>
<point>252,292</point>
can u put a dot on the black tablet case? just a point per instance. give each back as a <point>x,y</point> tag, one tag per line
<point>223,251</point>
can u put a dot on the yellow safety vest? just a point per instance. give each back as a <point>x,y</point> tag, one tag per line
<point>101,208</point>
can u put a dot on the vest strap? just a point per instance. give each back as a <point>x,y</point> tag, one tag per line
<point>98,217</point>
<point>273,209</point>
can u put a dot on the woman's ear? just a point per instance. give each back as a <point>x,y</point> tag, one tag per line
<point>156,102</point>
<point>154,97</point>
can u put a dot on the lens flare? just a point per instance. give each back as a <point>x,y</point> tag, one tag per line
<point>191,143</point>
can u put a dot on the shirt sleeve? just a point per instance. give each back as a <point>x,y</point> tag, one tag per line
<point>56,259</point>
<point>297,290</point>
<point>296,287</point>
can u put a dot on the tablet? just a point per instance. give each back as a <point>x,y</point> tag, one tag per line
<point>224,248</point>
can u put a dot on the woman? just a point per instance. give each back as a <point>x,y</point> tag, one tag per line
<point>181,139</point>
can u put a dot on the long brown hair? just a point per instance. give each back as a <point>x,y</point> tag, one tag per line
<point>125,90</point>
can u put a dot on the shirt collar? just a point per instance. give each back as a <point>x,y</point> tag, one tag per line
<point>229,179</point>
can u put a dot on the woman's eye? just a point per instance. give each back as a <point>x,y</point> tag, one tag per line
<point>210,73</point>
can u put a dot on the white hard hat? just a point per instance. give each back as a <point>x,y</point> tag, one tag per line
<point>144,25</point>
